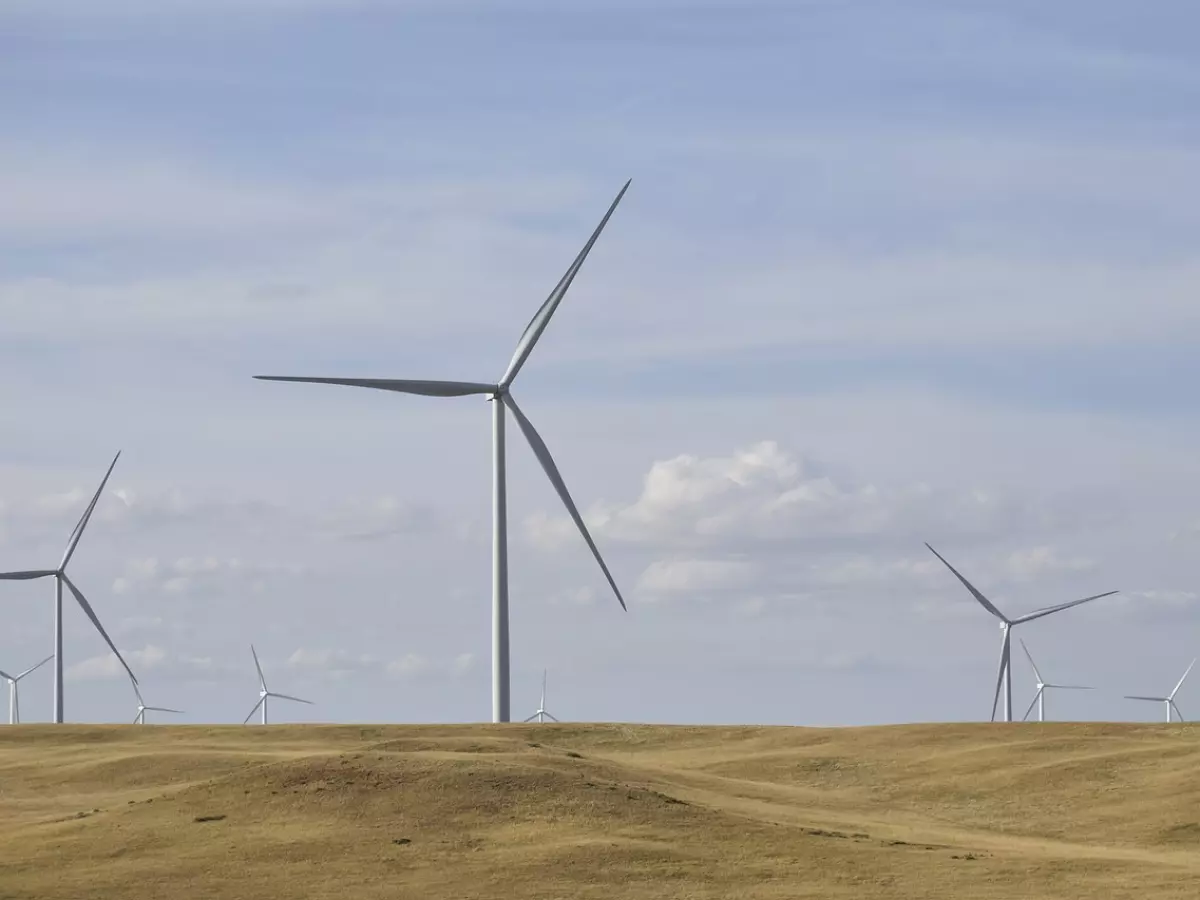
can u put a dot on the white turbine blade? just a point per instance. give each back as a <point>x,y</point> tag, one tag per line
<point>261,680</point>
<point>543,704</point>
<point>34,668</point>
<point>550,717</point>
<point>6,676</point>
<point>26,576</point>
<point>164,709</point>
<point>1038,613</point>
<point>403,386</point>
<point>91,614</point>
<point>141,700</point>
<point>1177,712</point>
<point>1071,687</point>
<point>542,452</point>
<point>531,718</point>
<point>1155,699</point>
<point>999,683</point>
<point>289,697</point>
<point>138,717</point>
<point>87,515</point>
<point>533,331</point>
<point>1171,696</point>
<point>1031,704</point>
<point>254,710</point>
<point>1031,662</point>
<point>983,601</point>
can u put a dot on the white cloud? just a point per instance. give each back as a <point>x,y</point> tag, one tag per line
<point>107,666</point>
<point>675,577</point>
<point>1025,565</point>
<point>764,495</point>
<point>195,576</point>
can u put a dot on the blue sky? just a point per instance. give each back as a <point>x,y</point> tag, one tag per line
<point>887,273</point>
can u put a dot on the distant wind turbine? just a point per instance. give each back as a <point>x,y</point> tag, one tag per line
<point>541,715</point>
<point>1169,700</point>
<point>263,693</point>
<point>14,703</point>
<point>60,578</point>
<point>1004,677</point>
<point>1040,697</point>
<point>142,709</point>
<point>501,396</point>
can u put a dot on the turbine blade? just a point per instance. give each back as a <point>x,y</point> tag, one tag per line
<point>531,718</point>
<point>550,717</point>
<point>287,697</point>
<point>1171,696</point>
<point>6,676</point>
<point>164,709</point>
<point>1038,613</point>
<point>141,700</point>
<point>91,614</point>
<point>137,717</point>
<point>73,542</point>
<point>1031,704</point>
<point>542,452</point>
<point>1071,687</point>
<point>1155,699</point>
<point>254,710</point>
<point>999,682</point>
<point>402,386</point>
<point>34,668</point>
<point>261,680</point>
<point>1177,712</point>
<point>543,689</point>
<point>1031,662</point>
<point>983,601</point>
<point>26,576</point>
<point>533,331</point>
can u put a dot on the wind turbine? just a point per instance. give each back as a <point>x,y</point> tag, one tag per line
<point>263,693</point>
<point>140,718</point>
<point>1040,697</point>
<point>1169,700</point>
<point>500,395</point>
<point>541,715</point>
<point>61,578</point>
<point>1004,676</point>
<point>14,703</point>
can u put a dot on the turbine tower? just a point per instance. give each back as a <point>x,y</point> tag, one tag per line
<point>1040,697</point>
<point>14,703</point>
<point>263,693</point>
<point>541,715</point>
<point>1169,700</point>
<point>500,395</point>
<point>61,578</point>
<point>142,709</point>
<point>1004,676</point>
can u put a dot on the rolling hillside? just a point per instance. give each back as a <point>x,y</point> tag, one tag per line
<point>605,811</point>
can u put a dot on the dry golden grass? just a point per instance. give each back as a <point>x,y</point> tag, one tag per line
<point>963,812</point>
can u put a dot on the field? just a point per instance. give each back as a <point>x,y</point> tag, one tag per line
<point>962,812</point>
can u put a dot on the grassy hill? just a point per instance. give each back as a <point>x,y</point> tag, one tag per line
<point>963,812</point>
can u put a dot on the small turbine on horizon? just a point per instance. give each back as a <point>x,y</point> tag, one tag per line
<point>142,709</point>
<point>263,693</point>
<point>541,715</point>
<point>14,703</point>
<point>1004,677</point>
<point>1040,697</point>
<point>60,578</point>
<point>500,395</point>
<point>1169,700</point>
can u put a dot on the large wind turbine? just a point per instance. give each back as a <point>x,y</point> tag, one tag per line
<point>14,703</point>
<point>501,396</point>
<point>263,693</point>
<point>1169,700</point>
<point>541,715</point>
<point>1004,677</point>
<point>142,709</point>
<point>60,578</point>
<point>1040,697</point>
